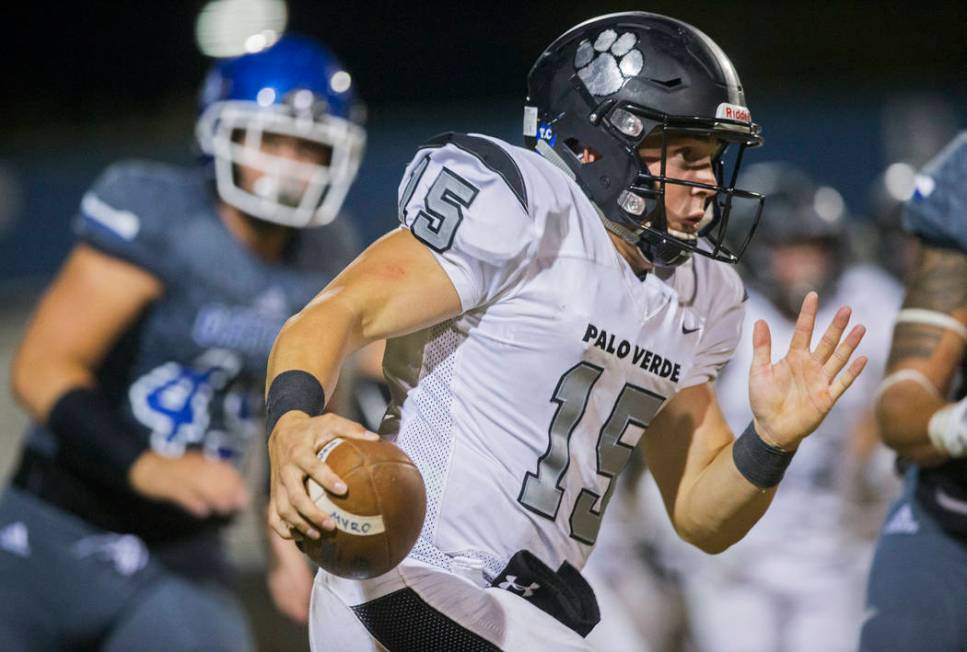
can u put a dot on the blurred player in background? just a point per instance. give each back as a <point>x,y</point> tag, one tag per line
<point>545,304</point>
<point>799,574</point>
<point>917,593</point>
<point>142,366</point>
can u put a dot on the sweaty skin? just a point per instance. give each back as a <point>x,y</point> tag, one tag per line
<point>397,287</point>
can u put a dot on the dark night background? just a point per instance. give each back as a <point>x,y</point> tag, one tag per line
<point>91,82</point>
<point>842,89</point>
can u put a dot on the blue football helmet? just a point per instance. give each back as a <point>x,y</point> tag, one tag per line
<point>295,88</point>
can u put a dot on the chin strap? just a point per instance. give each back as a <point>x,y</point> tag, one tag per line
<point>622,232</point>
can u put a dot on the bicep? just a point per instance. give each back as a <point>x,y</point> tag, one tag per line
<point>938,287</point>
<point>393,288</point>
<point>684,439</point>
<point>93,299</point>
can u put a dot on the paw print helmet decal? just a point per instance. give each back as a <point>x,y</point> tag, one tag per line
<point>610,82</point>
<point>609,62</point>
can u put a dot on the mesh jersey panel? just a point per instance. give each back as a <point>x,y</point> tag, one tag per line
<point>402,621</point>
<point>429,440</point>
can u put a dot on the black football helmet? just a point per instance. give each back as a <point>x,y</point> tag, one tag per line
<point>610,82</point>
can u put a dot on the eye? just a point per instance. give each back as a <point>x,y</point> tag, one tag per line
<point>271,139</point>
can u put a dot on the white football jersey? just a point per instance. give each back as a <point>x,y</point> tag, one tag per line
<point>521,412</point>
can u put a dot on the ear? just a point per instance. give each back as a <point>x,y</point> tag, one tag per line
<point>588,156</point>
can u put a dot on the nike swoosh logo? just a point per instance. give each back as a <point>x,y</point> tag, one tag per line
<point>689,331</point>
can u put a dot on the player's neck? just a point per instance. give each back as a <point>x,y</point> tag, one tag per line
<point>264,239</point>
<point>632,254</point>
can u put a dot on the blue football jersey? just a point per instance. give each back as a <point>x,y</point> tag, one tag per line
<point>189,374</point>
<point>937,214</point>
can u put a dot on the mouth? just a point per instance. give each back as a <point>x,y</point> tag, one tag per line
<point>688,227</point>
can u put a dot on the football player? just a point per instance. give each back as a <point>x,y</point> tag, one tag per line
<point>142,366</point>
<point>918,582</point>
<point>799,574</point>
<point>532,298</point>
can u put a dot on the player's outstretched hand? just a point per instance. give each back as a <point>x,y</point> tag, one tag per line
<point>791,398</point>
<point>198,484</point>
<point>293,449</point>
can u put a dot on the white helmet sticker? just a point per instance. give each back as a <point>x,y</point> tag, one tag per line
<point>733,112</point>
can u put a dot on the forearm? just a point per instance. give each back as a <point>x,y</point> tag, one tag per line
<point>689,449</point>
<point>64,397</point>
<point>317,340</point>
<point>903,412</point>
<point>720,506</point>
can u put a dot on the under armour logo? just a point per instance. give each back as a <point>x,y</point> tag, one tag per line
<point>510,584</point>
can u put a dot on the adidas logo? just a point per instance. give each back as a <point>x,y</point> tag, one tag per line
<point>14,539</point>
<point>902,522</point>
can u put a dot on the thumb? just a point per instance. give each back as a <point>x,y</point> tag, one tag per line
<point>761,345</point>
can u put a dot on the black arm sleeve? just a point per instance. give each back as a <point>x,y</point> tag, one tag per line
<point>92,440</point>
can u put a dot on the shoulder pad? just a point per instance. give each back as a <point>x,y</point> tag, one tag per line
<point>133,211</point>
<point>490,154</point>
<point>937,211</point>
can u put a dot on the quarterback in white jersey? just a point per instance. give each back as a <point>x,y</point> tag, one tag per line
<point>543,309</point>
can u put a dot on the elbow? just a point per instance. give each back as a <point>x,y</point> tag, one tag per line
<point>710,545</point>
<point>891,433</point>
<point>708,540</point>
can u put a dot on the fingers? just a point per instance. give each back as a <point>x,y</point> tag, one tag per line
<point>308,512</point>
<point>289,502</point>
<point>841,356</point>
<point>221,487</point>
<point>325,476</point>
<point>278,525</point>
<point>329,426</point>
<point>803,334</point>
<point>844,380</point>
<point>761,344</point>
<point>194,504</point>
<point>833,333</point>
<point>293,457</point>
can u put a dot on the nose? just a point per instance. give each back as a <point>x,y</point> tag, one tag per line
<point>287,148</point>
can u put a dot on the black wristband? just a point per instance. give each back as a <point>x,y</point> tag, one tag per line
<point>293,390</point>
<point>92,439</point>
<point>761,464</point>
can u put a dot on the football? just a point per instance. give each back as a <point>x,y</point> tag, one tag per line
<point>378,518</point>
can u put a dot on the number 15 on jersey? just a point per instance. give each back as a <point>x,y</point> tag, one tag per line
<point>541,492</point>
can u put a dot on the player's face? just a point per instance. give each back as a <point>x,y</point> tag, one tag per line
<point>800,263</point>
<point>799,268</point>
<point>687,158</point>
<point>296,149</point>
<point>281,148</point>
